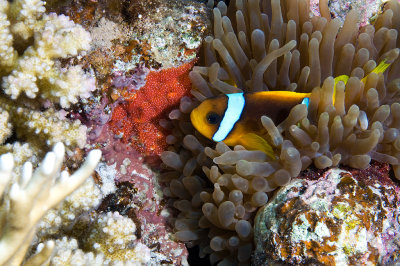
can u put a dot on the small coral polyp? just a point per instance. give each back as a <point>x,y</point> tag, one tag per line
<point>275,45</point>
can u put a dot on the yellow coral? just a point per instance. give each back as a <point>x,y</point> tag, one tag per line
<point>5,126</point>
<point>35,72</point>
<point>49,126</point>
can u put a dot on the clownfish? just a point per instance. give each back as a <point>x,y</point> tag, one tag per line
<point>235,118</point>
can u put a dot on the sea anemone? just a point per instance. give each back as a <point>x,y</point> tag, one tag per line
<point>275,45</point>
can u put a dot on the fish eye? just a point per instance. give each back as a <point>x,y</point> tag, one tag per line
<point>213,118</point>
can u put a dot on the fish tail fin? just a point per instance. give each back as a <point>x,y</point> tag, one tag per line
<point>383,65</point>
<point>306,99</point>
<point>253,141</point>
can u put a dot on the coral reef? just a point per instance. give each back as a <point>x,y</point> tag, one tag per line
<point>131,56</point>
<point>340,219</point>
<point>127,56</point>
<point>39,78</point>
<point>187,20</point>
<point>263,45</point>
<point>107,223</point>
<point>28,196</point>
<point>50,126</point>
<point>141,56</point>
<point>155,33</point>
<point>74,207</point>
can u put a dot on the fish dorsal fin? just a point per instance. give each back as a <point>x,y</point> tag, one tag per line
<point>381,67</point>
<point>252,141</point>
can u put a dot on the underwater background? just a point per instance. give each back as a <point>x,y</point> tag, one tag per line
<point>102,163</point>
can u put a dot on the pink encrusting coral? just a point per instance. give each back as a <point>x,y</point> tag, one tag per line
<point>138,115</point>
<point>138,195</point>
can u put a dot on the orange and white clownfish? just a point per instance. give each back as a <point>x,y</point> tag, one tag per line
<point>235,118</point>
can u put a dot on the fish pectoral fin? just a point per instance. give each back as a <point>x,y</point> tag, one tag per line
<point>253,141</point>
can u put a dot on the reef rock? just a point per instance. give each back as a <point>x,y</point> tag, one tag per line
<point>341,218</point>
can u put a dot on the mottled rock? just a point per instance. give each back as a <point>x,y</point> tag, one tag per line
<point>342,218</point>
<point>367,9</point>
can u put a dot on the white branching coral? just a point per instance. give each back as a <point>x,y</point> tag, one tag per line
<point>68,251</point>
<point>75,209</point>
<point>36,72</point>
<point>27,199</point>
<point>22,152</point>
<point>49,126</point>
<point>34,82</point>
<point>72,210</point>
<point>84,237</point>
<point>110,240</point>
<point>5,126</point>
<point>25,14</point>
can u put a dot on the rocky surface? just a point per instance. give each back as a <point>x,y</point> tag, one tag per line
<point>332,217</point>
